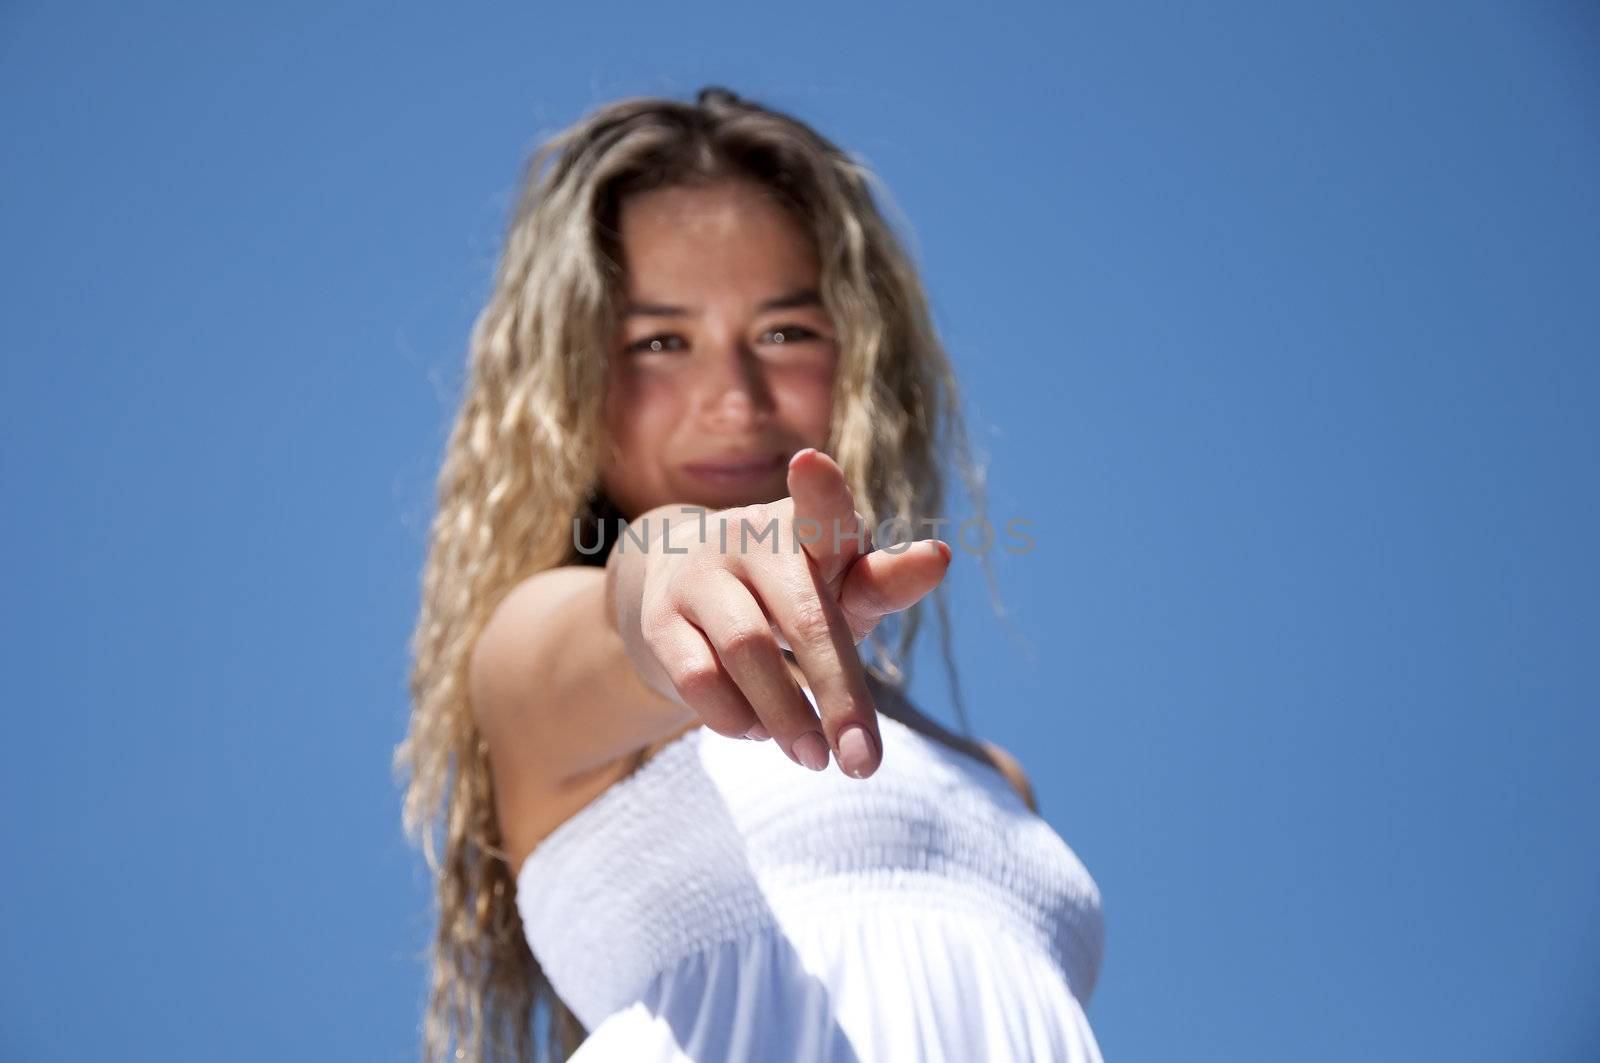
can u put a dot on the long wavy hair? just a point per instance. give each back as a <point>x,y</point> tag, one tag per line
<point>521,466</point>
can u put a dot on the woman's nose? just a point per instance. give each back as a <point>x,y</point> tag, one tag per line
<point>732,392</point>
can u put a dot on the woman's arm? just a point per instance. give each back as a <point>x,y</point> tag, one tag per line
<point>552,681</point>
<point>578,667</point>
<point>559,700</point>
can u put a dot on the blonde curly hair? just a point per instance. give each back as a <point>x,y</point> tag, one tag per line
<point>521,465</point>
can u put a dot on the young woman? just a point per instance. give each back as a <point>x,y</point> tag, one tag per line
<point>678,804</point>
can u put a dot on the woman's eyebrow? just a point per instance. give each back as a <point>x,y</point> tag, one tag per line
<point>802,297</point>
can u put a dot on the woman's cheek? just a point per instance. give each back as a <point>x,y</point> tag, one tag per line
<point>808,399</point>
<point>638,400</point>
<point>655,406</point>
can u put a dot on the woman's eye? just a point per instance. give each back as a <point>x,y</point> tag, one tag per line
<point>651,344</point>
<point>671,341</point>
<point>789,334</point>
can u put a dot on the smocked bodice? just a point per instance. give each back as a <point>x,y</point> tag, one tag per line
<point>715,846</point>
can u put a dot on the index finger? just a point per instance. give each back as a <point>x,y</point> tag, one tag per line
<point>825,649</point>
<point>835,535</point>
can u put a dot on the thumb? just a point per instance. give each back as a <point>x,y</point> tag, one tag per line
<point>880,583</point>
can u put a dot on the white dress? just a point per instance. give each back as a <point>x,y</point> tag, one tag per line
<point>724,904</point>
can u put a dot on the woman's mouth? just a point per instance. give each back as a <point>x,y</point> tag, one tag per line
<point>734,472</point>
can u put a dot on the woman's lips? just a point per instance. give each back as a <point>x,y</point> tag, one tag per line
<point>736,471</point>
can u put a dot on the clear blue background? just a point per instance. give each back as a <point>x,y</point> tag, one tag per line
<point>1278,320</point>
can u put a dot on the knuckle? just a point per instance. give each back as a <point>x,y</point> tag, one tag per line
<point>694,567</point>
<point>811,624</point>
<point>747,642</point>
<point>653,618</point>
<point>695,583</point>
<point>695,680</point>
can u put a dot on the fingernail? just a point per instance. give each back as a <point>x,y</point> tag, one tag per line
<point>758,733</point>
<point>811,749</point>
<point>855,750</point>
<point>797,455</point>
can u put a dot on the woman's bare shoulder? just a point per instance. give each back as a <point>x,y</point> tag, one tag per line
<point>530,821</point>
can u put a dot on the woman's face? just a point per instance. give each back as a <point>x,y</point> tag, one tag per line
<point>723,363</point>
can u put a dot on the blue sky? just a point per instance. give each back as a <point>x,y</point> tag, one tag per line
<point>1278,320</point>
